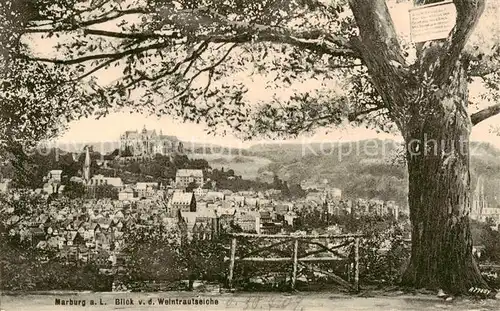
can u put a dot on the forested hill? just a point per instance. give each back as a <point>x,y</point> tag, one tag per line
<point>368,168</point>
<point>363,169</point>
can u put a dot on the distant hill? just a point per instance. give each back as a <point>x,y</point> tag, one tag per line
<point>246,166</point>
<point>218,156</point>
<point>367,168</point>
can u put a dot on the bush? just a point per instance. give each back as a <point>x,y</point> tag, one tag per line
<point>151,254</point>
<point>29,269</point>
<point>383,255</point>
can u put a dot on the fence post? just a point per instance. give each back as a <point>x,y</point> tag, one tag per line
<point>356,264</point>
<point>295,255</point>
<point>231,263</point>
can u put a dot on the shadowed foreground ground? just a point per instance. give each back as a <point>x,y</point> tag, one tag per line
<point>238,301</point>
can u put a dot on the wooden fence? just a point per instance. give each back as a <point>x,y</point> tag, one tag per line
<point>320,241</point>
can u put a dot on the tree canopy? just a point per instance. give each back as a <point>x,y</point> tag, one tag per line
<point>193,59</point>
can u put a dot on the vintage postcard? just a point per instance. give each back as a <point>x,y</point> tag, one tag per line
<point>249,155</point>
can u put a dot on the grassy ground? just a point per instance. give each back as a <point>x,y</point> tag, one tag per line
<point>377,301</point>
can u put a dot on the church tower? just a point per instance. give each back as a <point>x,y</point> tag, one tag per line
<point>479,202</point>
<point>86,166</point>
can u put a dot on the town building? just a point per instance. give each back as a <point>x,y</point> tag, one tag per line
<point>334,194</point>
<point>126,194</point>
<point>148,143</point>
<point>146,189</point>
<point>184,177</point>
<point>206,228</point>
<point>54,176</point>
<point>290,218</point>
<point>53,182</point>
<point>237,199</point>
<point>200,192</point>
<point>99,180</point>
<point>248,222</point>
<point>183,202</point>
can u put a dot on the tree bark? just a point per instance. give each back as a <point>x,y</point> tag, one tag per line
<point>437,141</point>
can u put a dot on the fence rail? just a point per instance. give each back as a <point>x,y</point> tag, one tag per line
<point>295,258</point>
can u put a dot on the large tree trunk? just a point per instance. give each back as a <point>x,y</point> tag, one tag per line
<point>437,141</point>
<point>428,101</point>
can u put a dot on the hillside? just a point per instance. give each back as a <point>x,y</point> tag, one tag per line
<point>246,166</point>
<point>367,168</point>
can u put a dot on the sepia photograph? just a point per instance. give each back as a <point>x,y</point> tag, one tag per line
<point>302,155</point>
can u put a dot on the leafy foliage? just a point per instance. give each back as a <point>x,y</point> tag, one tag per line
<point>204,259</point>
<point>384,253</point>
<point>151,254</point>
<point>74,190</point>
<point>193,60</point>
<point>36,101</point>
<point>159,168</point>
<point>177,57</point>
<point>106,192</point>
<point>31,166</point>
<point>164,255</point>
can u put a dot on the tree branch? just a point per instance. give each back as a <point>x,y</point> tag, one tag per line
<point>312,40</point>
<point>383,55</point>
<point>74,25</point>
<point>468,14</point>
<point>112,15</point>
<point>485,114</point>
<point>354,115</point>
<point>97,68</point>
<point>124,35</point>
<point>316,40</point>
<point>192,57</point>
<point>482,65</point>
<point>200,71</point>
<point>222,30</point>
<point>377,30</point>
<point>98,56</point>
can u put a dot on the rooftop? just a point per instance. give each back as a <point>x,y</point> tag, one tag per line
<point>145,185</point>
<point>182,198</point>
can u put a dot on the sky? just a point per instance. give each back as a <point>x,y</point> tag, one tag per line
<point>109,128</point>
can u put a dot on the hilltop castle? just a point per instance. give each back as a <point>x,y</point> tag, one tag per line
<point>149,143</point>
